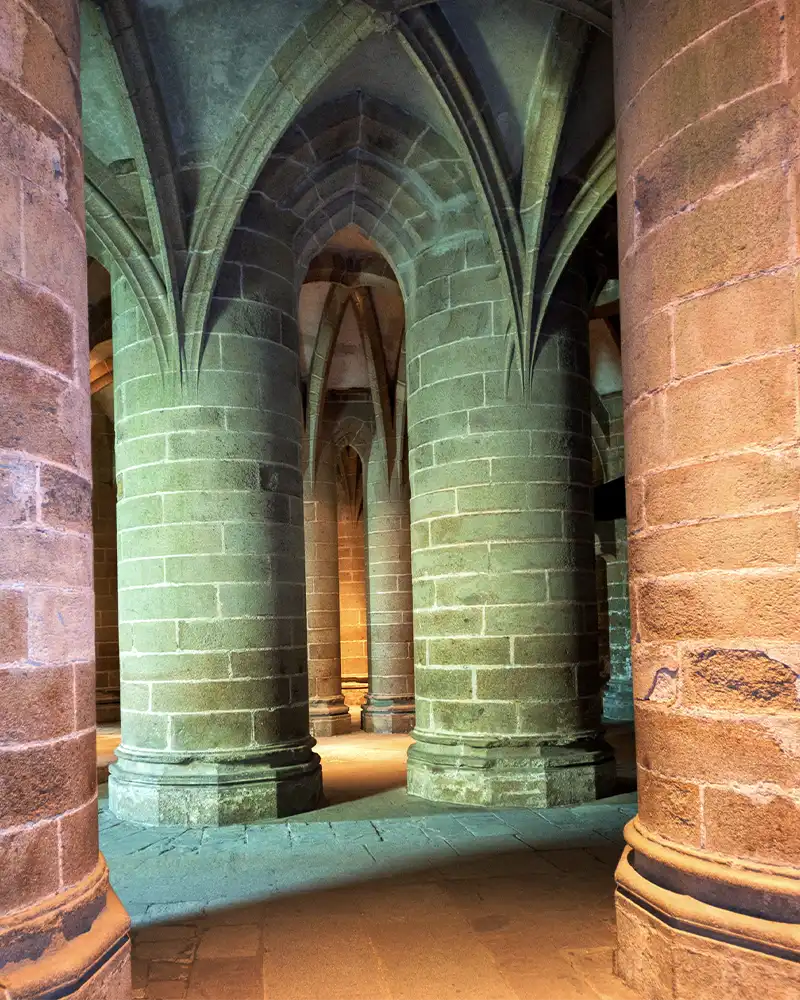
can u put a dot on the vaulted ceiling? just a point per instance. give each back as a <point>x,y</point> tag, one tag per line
<point>184,101</point>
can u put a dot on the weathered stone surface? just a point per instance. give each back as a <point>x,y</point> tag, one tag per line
<point>389,707</point>
<point>713,497</point>
<point>60,922</point>
<point>329,714</point>
<point>212,606</point>
<point>503,568</point>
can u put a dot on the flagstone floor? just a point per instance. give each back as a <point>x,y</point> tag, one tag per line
<point>377,895</point>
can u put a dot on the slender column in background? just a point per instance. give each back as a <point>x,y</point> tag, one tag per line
<point>329,714</point>
<point>389,707</point>
<point>63,932</point>
<point>352,601</point>
<point>708,898</point>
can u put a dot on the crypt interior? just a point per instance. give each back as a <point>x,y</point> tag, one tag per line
<point>399,494</point>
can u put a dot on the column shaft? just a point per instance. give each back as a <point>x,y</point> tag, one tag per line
<point>352,595</point>
<point>389,707</point>
<point>329,714</point>
<point>215,725</point>
<point>505,622</point>
<point>708,899</point>
<point>62,930</point>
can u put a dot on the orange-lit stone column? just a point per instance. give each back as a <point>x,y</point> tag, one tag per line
<point>708,901</point>
<point>329,714</point>
<point>63,933</point>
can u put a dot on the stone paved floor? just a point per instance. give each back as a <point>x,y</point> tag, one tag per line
<point>378,895</point>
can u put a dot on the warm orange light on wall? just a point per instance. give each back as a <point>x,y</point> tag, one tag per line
<point>101,366</point>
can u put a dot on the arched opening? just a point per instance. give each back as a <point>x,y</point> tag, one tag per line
<point>351,319</point>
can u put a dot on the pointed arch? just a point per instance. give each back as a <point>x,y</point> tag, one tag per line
<point>303,62</point>
<point>437,54</point>
<point>390,183</point>
<point>330,324</point>
<point>598,188</point>
<point>114,244</point>
<point>372,341</point>
<point>547,112</point>
<point>145,125</point>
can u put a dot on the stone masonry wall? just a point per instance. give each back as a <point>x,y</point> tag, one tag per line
<point>104,525</point>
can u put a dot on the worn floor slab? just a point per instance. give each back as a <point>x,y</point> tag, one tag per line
<point>378,895</point>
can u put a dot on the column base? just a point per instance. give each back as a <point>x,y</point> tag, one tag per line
<point>156,789</point>
<point>329,717</point>
<point>679,936</point>
<point>75,945</point>
<point>387,715</point>
<point>478,771</point>
<point>618,702</point>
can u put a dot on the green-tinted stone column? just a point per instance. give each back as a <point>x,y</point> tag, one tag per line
<point>613,538</point>
<point>389,706</point>
<point>329,714</point>
<point>505,622</point>
<point>211,575</point>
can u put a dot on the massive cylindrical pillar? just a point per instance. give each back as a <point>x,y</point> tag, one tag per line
<point>62,930</point>
<point>613,538</point>
<point>389,707</point>
<point>329,714</point>
<point>708,900</point>
<point>505,617</point>
<point>215,725</point>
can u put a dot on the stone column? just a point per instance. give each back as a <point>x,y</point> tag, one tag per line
<point>215,725</point>
<point>613,535</point>
<point>63,932</point>
<point>708,900</point>
<point>389,707</point>
<point>329,714</point>
<point>352,596</point>
<point>505,616</point>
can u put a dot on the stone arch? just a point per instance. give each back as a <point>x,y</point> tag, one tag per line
<point>305,59</point>
<point>400,181</point>
<point>354,428</point>
<point>329,326</point>
<point>595,193</point>
<point>113,243</point>
<point>351,280</point>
